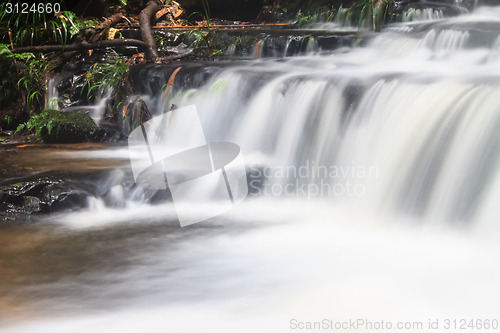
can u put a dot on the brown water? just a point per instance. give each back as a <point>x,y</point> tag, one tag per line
<point>21,158</point>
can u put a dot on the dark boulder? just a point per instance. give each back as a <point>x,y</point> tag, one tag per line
<point>67,127</point>
<point>42,195</point>
<point>134,114</point>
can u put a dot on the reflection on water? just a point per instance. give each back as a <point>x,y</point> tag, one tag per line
<point>20,159</point>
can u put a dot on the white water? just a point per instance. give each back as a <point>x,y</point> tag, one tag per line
<point>422,14</point>
<point>423,113</point>
<point>347,19</point>
<point>95,110</point>
<point>420,108</point>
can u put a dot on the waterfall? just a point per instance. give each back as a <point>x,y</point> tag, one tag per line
<point>416,110</point>
<point>413,14</point>
<point>95,109</point>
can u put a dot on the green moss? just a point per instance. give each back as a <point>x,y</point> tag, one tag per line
<point>53,126</point>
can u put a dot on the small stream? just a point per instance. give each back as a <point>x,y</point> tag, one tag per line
<point>373,170</point>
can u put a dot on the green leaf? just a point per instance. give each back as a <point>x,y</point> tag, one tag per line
<point>50,125</point>
<point>20,127</point>
<point>65,30</point>
<point>26,55</point>
<point>75,25</point>
<point>73,30</point>
<point>88,23</point>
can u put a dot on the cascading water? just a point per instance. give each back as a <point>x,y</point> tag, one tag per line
<point>376,176</point>
<point>95,109</point>
<point>406,105</point>
<point>421,15</point>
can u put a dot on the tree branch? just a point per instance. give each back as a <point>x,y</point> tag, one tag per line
<point>145,18</point>
<point>109,22</point>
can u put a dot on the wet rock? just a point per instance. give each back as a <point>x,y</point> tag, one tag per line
<point>109,131</point>
<point>31,204</point>
<point>42,195</point>
<point>134,114</point>
<point>67,127</point>
<point>62,196</point>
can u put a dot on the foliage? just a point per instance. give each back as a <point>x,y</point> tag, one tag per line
<point>103,75</point>
<point>19,25</point>
<point>5,52</point>
<point>55,126</point>
<point>31,73</point>
<point>74,24</point>
<point>32,26</point>
<point>368,14</point>
<point>206,9</point>
<point>33,82</point>
<point>322,13</point>
<point>303,19</point>
<point>197,37</point>
<point>108,77</point>
<point>205,15</point>
<point>38,122</point>
<point>27,72</point>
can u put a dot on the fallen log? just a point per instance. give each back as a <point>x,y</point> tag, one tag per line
<point>222,26</point>
<point>83,46</point>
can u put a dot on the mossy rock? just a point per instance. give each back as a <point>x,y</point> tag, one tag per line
<point>67,127</point>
